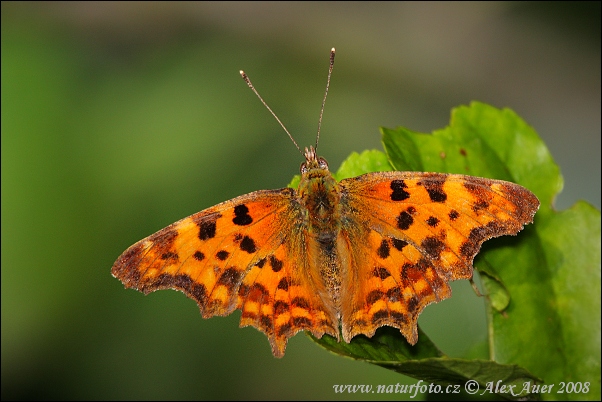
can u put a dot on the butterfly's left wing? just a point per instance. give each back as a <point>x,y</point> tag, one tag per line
<point>410,233</point>
<point>245,253</point>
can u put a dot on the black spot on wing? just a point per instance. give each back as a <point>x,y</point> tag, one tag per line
<point>229,278</point>
<point>480,205</point>
<point>383,249</point>
<point>247,244</point>
<point>453,215</point>
<point>184,282</point>
<point>395,294</point>
<point>300,302</point>
<point>434,188</point>
<point>284,330</point>
<point>243,290</point>
<point>281,307</point>
<point>198,256</point>
<point>170,255</point>
<point>432,221</point>
<point>399,244</point>
<point>242,217</point>
<point>374,296</point>
<point>222,255</point>
<point>381,273</point>
<point>207,229</point>
<point>284,284</point>
<point>379,316</point>
<point>399,317</point>
<point>275,263</point>
<point>267,323</point>
<point>399,193</point>
<point>412,304</point>
<point>404,220</point>
<point>474,188</point>
<point>433,247</point>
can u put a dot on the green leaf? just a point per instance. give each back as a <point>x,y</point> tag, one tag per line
<point>387,345</point>
<point>389,349</point>
<point>543,285</point>
<point>368,161</point>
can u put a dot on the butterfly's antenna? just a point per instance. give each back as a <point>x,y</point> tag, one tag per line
<point>332,51</point>
<point>248,81</point>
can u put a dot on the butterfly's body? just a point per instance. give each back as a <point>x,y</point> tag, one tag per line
<point>332,257</point>
<point>339,258</point>
<point>321,210</point>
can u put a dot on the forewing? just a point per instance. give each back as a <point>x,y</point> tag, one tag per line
<point>410,233</point>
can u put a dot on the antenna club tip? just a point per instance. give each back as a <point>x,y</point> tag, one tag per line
<point>332,50</point>
<point>242,73</point>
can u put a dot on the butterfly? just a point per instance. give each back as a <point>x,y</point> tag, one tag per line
<point>339,258</point>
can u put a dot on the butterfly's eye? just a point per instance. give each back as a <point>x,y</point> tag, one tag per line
<point>322,163</point>
<point>303,168</point>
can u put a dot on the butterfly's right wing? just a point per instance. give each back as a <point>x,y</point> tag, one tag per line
<point>410,233</point>
<point>246,253</point>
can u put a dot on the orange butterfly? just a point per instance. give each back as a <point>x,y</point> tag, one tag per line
<point>338,258</point>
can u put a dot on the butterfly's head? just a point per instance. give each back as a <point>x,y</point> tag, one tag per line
<point>312,161</point>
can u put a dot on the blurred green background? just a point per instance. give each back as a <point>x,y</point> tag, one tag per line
<point>121,118</point>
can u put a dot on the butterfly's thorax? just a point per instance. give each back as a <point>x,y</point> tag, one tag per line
<point>320,195</point>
